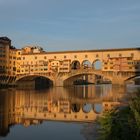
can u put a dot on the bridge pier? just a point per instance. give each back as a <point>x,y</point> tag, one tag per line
<point>118,81</point>
<point>58,83</point>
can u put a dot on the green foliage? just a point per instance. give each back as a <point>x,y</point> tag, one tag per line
<point>122,124</point>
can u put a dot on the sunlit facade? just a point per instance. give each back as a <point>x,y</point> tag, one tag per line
<point>33,60</point>
<point>5,44</point>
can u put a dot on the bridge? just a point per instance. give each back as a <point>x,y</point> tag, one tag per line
<point>65,67</point>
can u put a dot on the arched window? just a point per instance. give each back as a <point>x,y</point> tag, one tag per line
<point>86,64</point>
<point>97,65</point>
<point>75,65</point>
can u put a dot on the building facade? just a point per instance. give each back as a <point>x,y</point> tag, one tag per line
<point>5,45</point>
<point>33,60</point>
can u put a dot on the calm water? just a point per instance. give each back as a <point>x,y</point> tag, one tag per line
<point>56,113</point>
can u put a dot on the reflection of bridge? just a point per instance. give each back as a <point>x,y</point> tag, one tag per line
<point>57,104</point>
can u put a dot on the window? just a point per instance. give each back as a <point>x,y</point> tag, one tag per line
<point>129,58</point>
<point>35,57</point>
<point>54,57</point>
<point>97,55</point>
<point>45,57</point>
<point>132,54</point>
<point>65,56</point>
<point>86,56</point>
<point>75,56</point>
<point>120,55</point>
<point>108,55</point>
<point>136,67</point>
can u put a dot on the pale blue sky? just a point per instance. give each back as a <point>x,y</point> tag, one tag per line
<point>71,24</point>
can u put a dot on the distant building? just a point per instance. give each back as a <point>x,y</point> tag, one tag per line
<point>5,45</point>
<point>32,49</point>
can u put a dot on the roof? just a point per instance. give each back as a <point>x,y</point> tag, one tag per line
<point>5,40</point>
<point>85,51</point>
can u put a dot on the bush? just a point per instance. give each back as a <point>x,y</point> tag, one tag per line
<point>122,124</point>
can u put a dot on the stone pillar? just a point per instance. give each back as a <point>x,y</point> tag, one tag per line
<point>118,81</point>
<point>91,78</point>
<point>58,83</point>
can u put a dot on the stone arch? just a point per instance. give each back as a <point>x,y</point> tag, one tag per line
<point>69,81</point>
<point>86,64</point>
<point>133,78</point>
<point>75,65</point>
<point>86,108</point>
<point>75,108</point>
<point>36,80</point>
<point>98,108</point>
<point>97,64</point>
<point>33,76</point>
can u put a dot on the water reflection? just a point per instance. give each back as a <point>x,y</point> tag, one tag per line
<point>73,104</point>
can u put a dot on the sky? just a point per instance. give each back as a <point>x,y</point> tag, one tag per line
<point>58,25</point>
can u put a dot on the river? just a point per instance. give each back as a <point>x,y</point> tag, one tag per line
<point>57,113</point>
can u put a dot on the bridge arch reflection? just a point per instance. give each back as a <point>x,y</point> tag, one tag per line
<point>98,108</point>
<point>86,108</point>
<point>75,108</point>
<point>75,104</point>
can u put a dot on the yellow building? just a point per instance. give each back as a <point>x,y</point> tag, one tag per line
<point>12,62</point>
<point>112,60</point>
<point>5,44</point>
